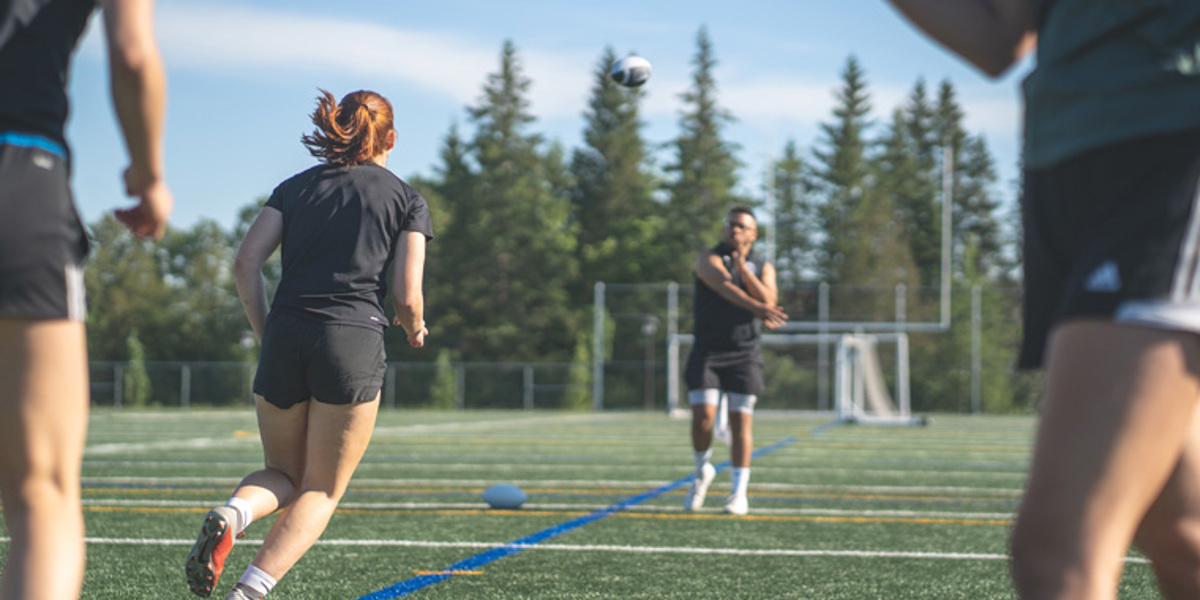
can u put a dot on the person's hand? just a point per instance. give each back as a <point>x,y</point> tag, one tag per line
<point>738,260</point>
<point>773,317</point>
<point>416,337</point>
<point>149,218</point>
<point>739,255</point>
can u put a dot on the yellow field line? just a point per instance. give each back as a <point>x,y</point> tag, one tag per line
<point>420,572</point>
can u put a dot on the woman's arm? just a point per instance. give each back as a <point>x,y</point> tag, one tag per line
<point>139,94</point>
<point>261,240</point>
<point>408,275</point>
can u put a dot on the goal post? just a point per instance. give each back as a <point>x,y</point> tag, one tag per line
<point>860,388</point>
<point>862,393</point>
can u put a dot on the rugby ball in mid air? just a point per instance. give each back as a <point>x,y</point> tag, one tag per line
<point>630,71</point>
<point>505,495</point>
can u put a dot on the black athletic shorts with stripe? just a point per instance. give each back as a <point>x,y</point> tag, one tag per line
<point>43,244</point>
<point>1113,234</point>
<point>328,362</point>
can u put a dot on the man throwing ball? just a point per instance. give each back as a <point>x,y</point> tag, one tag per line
<point>735,295</point>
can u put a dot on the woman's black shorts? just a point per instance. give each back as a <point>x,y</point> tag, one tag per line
<point>1114,234</point>
<point>330,363</point>
<point>42,242</point>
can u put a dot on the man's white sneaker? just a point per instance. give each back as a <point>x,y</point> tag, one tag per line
<point>699,488</point>
<point>737,505</point>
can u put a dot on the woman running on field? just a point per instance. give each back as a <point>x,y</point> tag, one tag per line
<point>341,224</point>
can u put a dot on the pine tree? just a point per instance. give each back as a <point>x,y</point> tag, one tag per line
<point>908,169</point>
<point>866,243</point>
<point>841,172</point>
<point>976,210</point>
<point>975,205</point>
<point>508,251</point>
<point>704,173</point>
<point>612,201</point>
<point>796,227</point>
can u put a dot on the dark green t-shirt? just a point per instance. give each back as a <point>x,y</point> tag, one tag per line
<point>1110,70</point>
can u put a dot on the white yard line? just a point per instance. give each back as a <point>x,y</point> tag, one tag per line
<point>399,483</point>
<point>210,442</point>
<point>830,512</point>
<point>600,548</point>
<point>589,466</point>
<point>490,424</point>
<point>192,443</point>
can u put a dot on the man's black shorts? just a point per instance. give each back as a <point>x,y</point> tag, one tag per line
<point>740,372</point>
<point>1113,234</point>
<point>43,244</point>
<point>330,363</point>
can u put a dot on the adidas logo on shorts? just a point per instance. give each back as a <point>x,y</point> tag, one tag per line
<point>42,161</point>
<point>1106,278</point>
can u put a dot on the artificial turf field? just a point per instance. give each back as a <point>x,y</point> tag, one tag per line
<point>837,512</point>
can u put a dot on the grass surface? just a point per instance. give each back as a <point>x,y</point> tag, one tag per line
<point>847,513</point>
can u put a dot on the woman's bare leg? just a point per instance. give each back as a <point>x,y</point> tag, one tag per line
<point>337,437</point>
<point>1117,412</point>
<point>44,403</point>
<point>284,441</point>
<point>1170,533</point>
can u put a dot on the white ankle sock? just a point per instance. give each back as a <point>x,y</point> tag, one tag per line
<point>245,514</point>
<point>258,580</point>
<point>702,458</point>
<point>741,480</point>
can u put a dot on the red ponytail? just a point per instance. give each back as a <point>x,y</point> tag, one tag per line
<point>351,132</point>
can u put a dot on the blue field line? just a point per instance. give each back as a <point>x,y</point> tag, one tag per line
<point>826,427</point>
<point>409,586</point>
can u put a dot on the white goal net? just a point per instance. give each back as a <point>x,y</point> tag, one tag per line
<point>862,391</point>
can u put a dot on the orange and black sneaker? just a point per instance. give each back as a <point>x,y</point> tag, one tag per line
<point>207,558</point>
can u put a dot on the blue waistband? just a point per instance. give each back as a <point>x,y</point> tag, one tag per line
<point>29,140</point>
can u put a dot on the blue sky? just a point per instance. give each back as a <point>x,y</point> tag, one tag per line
<point>243,76</point>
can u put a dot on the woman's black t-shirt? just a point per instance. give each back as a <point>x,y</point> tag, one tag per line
<point>340,228</point>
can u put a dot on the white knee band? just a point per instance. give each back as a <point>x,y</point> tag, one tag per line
<point>742,403</point>
<point>709,396</point>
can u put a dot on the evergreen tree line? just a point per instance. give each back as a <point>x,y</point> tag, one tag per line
<point>525,227</point>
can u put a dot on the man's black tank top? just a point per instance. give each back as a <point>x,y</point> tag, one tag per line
<point>721,327</point>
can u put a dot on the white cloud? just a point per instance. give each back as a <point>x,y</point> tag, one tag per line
<point>779,98</point>
<point>998,117</point>
<point>789,99</point>
<point>259,43</point>
<point>247,41</point>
